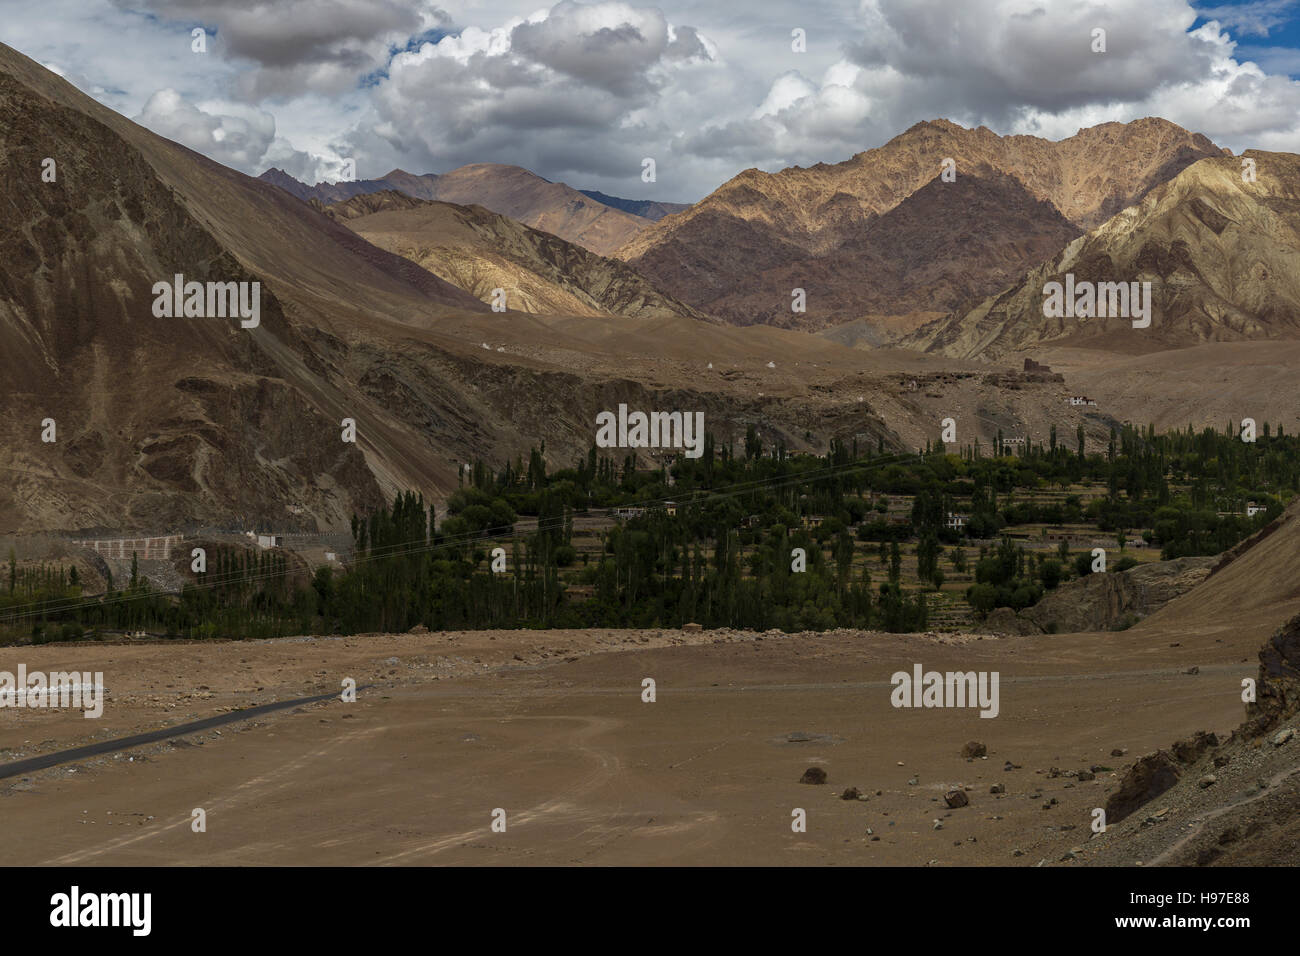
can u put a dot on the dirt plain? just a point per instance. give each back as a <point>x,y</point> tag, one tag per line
<point>551,727</point>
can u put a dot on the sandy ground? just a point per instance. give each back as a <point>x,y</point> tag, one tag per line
<point>551,728</point>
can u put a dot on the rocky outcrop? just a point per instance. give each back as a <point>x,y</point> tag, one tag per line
<point>1100,602</point>
<point>1277,689</point>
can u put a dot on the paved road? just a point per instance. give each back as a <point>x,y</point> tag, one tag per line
<point>31,764</point>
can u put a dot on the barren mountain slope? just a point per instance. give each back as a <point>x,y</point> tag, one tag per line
<point>1222,256</point>
<point>509,190</point>
<point>760,220</point>
<point>646,208</point>
<point>479,251</point>
<point>945,245</point>
<point>172,420</point>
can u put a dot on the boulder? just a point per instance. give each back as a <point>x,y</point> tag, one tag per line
<point>813,775</point>
<point>1147,779</point>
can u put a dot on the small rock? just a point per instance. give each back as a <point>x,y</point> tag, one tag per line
<point>813,775</point>
<point>974,750</point>
<point>998,788</point>
<point>956,798</point>
<point>1087,775</point>
<point>850,794</point>
<point>1207,781</point>
<point>1282,736</point>
<point>1119,751</point>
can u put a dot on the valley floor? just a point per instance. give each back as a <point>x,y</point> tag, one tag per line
<point>550,726</point>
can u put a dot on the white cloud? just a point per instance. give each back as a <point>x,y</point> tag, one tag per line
<point>571,92</point>
<point>1258,18</point>
<point>239,141</point>
<point>584,91</point>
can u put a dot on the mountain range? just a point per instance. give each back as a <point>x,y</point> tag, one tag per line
<point>884,234</point>
<point>924,294</point>
<point>593,220</point>
<point>480,251</point>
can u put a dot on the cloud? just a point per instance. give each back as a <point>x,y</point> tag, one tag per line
<point>302,45</point>
<point>584,91</point>
<point>1258,18</point>
<point>573,90</point>
<point>1017,66</point>
<point>239,141</point>
<point>998,58</point>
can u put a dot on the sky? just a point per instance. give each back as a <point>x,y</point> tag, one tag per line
<point>584,93</point>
